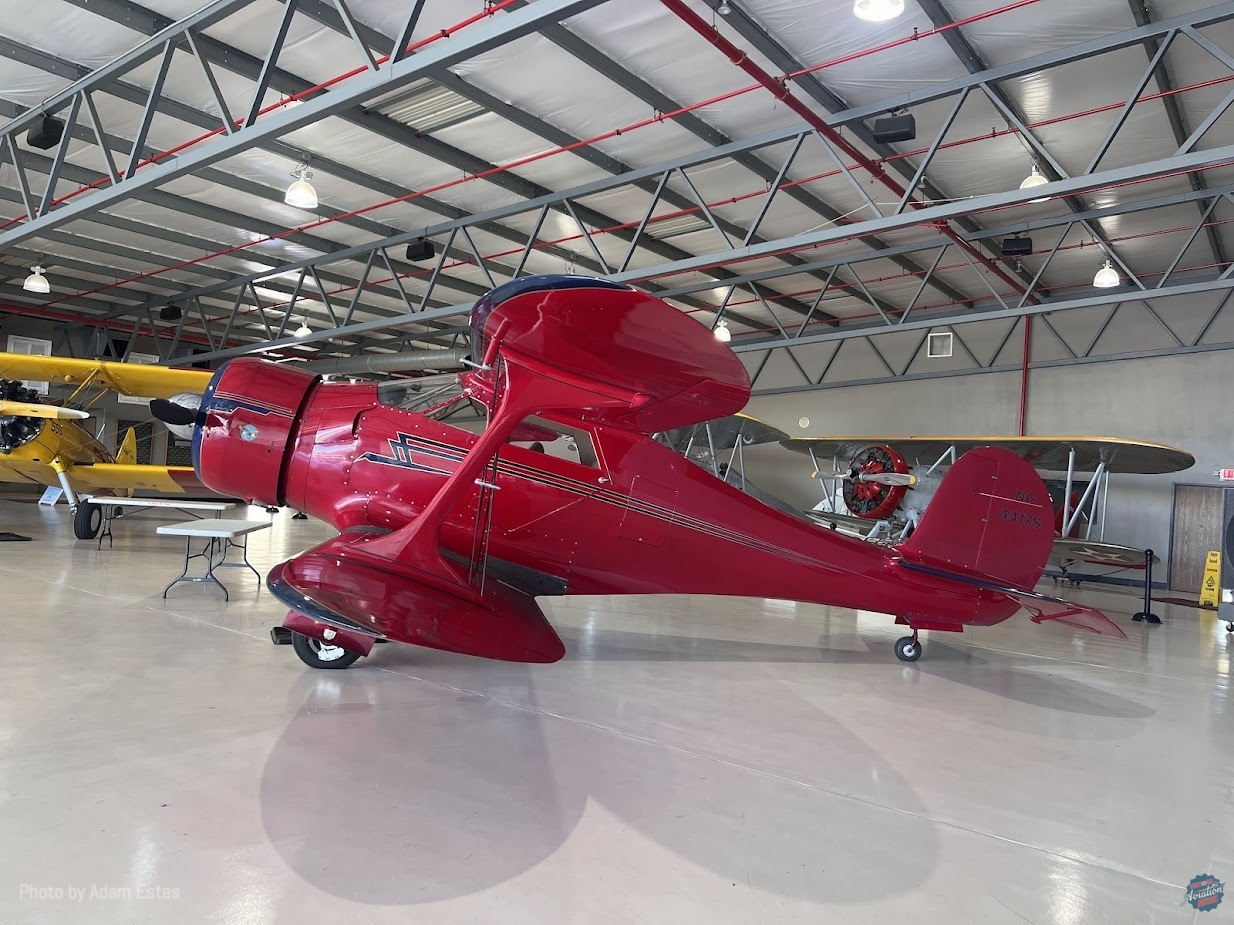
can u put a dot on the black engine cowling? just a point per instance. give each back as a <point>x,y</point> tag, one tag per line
<point>18,431</point>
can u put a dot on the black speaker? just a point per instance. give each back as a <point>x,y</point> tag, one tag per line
<point>170,313</point>
<point>421,250</point>
<point>895,128</point>
<point>45,133</point>
<point>1017,247</point>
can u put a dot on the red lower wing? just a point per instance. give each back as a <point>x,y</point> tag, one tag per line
<point>334,585</point>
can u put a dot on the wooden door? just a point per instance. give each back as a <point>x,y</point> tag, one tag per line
<point>1197,529</point>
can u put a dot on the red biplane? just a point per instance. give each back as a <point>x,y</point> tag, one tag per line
<point>447,537</point>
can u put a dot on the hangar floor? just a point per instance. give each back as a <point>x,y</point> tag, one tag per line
<point>692,760</point>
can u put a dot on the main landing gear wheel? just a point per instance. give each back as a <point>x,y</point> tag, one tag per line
<point>908,648</point>
<point>318,654</point>
<point>87,520</point>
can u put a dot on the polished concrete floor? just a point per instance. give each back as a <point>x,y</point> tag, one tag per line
<point>691,760</point>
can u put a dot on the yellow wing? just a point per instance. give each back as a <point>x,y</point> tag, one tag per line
<point>1119,455</point>
<point>102,477</point>
<point>126,378</point>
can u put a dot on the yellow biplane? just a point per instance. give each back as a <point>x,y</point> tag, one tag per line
<point>42,443</point>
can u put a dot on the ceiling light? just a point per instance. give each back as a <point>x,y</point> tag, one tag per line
<point>878,10</point>
<point>301,193</point>
<point>427,106</point>
<point>725,8</point>
<point>36,281</point>
<point>304,330</point>
<point>721,331</point>
<point>1036,178</point>
<point>1107,276</point>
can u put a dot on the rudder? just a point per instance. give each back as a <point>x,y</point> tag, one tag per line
<point>991,518</point>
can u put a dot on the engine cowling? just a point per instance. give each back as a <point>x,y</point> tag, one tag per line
<point>18,431</point>
<point>245,424</point>
<point>873,500</point>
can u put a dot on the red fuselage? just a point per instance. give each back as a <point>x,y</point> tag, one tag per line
<point>643,521</point>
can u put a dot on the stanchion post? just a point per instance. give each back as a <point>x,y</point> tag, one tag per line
<point>1146,615</point>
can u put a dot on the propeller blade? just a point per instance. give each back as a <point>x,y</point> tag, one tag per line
<point>888,478</point>
<point>171,413</point>
<point>877,478</point>
<point>21,409</point>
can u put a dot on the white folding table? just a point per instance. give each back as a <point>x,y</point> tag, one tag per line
<point>222,535</point>
<point>111,509</point>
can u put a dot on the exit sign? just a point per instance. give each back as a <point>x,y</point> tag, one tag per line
<point>1227,475</point>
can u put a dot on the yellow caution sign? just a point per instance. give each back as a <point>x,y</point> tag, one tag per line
<point>1210,590</point>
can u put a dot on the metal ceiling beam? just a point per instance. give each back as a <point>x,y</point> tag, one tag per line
<point>777,136</point>
<point>946,212</point>
<point>224,56</point>
<point>772,49</point>
<point>901,221</point>
<point>466,44</point>
<point>329,16</point>
<point>39,164</point>
<point>1002,368</point>
<point>1216,284</point>
<point>976,65</point>
<point>1200,197</point>
<point>660,102</point>
<point>1178,121</point>
<point>1071,186</point>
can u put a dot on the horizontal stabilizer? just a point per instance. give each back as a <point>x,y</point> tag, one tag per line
<point>1041,606</point>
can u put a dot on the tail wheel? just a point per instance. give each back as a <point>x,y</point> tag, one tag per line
<point>870,499</point>
<point>87,520</point>
<point>318,654</point>
<point>908,648</point>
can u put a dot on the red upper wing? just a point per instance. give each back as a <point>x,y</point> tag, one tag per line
<point>616,337</point>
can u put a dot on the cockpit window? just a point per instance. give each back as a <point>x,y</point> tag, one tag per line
<point>437,397</point>
<point>560,440</point>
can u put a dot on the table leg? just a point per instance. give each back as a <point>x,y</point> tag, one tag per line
<point>242,545</point>
<point>109,514</point>
<point>208,555</point>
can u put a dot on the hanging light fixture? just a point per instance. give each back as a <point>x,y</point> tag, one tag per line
<point>36,281</point>
<point>724,8</point>
<point>721,331</point>
<point>301,193</point>
<point>1107,277</point>
<point>878,10</point>
<point>1034,179</point>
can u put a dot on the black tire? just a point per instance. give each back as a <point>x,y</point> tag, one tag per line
<point>1229,627</point>
<point>87,520</point>
<point>908,649</point>
<point>317,654</point>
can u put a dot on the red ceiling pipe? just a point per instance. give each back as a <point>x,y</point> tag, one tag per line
<point>1028,344</point>
<point>780,91</point>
